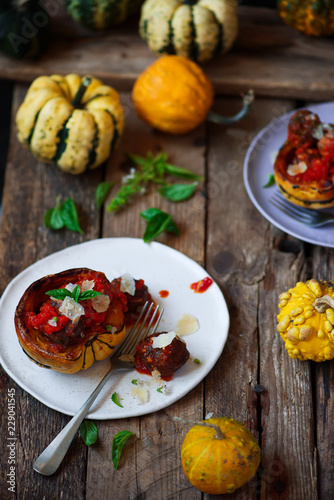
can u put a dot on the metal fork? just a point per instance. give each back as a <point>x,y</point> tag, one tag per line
<point>50,459</point>
<point>311,218</point>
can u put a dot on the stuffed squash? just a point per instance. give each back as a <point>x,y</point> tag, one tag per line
<point>68,320</point>
<point>304,167</point>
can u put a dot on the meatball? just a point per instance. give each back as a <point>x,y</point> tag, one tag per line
<point>165,359</point>
<point>302,126</point>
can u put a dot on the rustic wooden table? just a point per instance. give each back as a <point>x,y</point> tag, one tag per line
<point>250,260</point>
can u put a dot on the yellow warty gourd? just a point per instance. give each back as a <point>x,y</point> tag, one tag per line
<point>306,320</point>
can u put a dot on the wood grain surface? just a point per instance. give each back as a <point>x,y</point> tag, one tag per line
<point>287,404</point>
<point>268,56</point>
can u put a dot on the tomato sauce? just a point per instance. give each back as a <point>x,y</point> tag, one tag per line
<point>164,294</point>
<point>201,285</point>
<point>313,144</point>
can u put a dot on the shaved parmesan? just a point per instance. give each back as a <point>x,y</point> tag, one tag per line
<point>71,309</point>
<point>70,287</point>
<point>52,322</point>
<point>87,285</point>
<point>163,340</point>
<point>100,303</point>
<point>128,284</point>
<point>297,168</point>
<point>187,324</point>
<point>141,392</point>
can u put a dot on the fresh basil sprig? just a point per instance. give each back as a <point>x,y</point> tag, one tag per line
<point>88,432</point>
<point>151,169</point>
<point>158,221</point>
<point>118,443</point>
<point>63,215</point>
<point>61,293</point>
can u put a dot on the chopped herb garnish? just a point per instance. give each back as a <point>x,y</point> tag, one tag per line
<point>197,361</point>
<point>114,399</point>
<point>160,389</point>
<point>271,181</point>
<point>134,381</point>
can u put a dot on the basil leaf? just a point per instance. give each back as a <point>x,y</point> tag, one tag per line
<point>178,192</point>
<point>114,399</point>
<point>271,181</point>
<point>59,293</point>
<point>89,294</point>
<point>156,226</point>
<point>150,213</point>
<point>171,227</point>
<point>52,217</point>
<point>102,192</point>
<point>69,216</point>
<point>118,443</point>
<point>181,172</point>
<point>88,432</point>
<point>75,293</point>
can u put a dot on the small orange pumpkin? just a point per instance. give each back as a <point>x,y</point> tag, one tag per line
<point>219,455</point>
<point>174,95</point>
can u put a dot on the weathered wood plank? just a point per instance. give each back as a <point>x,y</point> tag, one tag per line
<point>268,56</point>
<point>321,262</point>
<point>152,468</point>
<point>287,438</point>
<point>30,189</point>
<point>237,253</point>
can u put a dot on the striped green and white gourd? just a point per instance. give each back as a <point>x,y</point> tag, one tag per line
<point>196,29</point>
<point>101,14</point>
<point>73,121</point>
<point>24,28</point>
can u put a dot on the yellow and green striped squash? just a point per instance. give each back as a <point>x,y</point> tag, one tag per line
<point>196,29</point>
<point>311,17</point>
<point>101,14</point>
<point>71,120</point>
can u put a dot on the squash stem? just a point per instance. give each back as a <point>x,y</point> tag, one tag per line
<point>81,90</point>
<point>321,304</point>
<point>226,120</point>
<point>219,432</point>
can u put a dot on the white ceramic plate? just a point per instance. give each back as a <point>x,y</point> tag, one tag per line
<point>162,268</point>
<point>258,166</point>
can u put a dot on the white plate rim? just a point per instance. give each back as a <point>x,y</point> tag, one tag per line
<point>115,413</point>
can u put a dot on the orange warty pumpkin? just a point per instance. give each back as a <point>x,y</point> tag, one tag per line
<point>219,455</point>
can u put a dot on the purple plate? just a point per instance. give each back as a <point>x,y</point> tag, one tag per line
<point>258,166</point>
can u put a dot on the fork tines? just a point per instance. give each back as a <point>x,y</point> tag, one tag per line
<point>292,210</point>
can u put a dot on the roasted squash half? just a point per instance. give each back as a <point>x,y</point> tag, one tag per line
<point>68,320</point>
